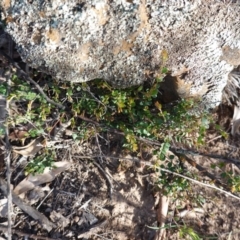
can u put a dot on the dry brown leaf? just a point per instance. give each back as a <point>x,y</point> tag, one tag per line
<point>43,220</point>
<point>48,175</point>
<point>32,148</point>
<point>18,134</point>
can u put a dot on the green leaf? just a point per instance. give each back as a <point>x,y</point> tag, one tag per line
<point>74,136</point>
<point>163,150</point>
<point>3,89</point>
<point>164,70</point>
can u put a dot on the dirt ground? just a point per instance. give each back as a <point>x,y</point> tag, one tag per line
<point>110,195</point>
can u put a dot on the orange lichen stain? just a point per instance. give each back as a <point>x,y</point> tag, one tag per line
<point>164,55</point>
<point>42,14</point>
<point>143,15</point>
<point>81,70</point>
<point>127,44</point>
<point>84,52</point>
<point>123,46</point>
<point>231,55</point>
<point>9,19</point>
<point>36,37</point>
<point>53,35</point>
<point>181,71</point>
<point>100,43</point>
<point>102,15</point>
<point>182,88</point>
<point>6,4</point>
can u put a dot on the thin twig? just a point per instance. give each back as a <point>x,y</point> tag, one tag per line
<point>96,99</point>
<point>9,194</point>
<point>200,183</point>
<point>215,138</point>
<point>44,199</point>
<point>25,75</point>
<point>8,163</point>
<point>202,170</point>
<point>99,148</point>
<point>210,155</point>
<point>110,187</point>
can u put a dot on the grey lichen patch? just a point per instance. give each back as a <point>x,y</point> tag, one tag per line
<point>124,46</point>
<point>121,41</point>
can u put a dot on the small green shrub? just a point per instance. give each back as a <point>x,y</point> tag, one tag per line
<point>186,231</point>
<point>135,111</point>
<point>40,162</point>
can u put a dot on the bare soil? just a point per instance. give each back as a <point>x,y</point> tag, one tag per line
<point>104,196</point>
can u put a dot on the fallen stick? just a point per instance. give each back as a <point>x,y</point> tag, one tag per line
<point>27,208</point>
<point>202,171</point>
<point>162,212</point>
<point>109,183</point>
<point>200,183</point>
<point>4,123</point>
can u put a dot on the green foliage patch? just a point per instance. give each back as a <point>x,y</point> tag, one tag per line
<point>39,163</point>
<point>137,112</point>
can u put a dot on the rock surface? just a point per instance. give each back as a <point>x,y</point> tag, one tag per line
<point>125,41</point>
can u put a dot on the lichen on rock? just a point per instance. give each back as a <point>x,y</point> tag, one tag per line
<point>121,41</point>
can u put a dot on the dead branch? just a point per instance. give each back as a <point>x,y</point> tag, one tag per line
<point>202,170</point>
<point>27,208</point>
<point>210,155</point>
<point>7,153</point>
<point>109,183</point>
<point>9,192</point>
<point>200,183</point>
